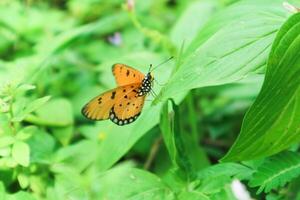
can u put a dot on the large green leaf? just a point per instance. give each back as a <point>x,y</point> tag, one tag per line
<point>272,123</point>
<point>235,43</point>
<point>131,184</point>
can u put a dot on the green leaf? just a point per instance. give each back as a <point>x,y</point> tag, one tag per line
<point>192,195</point>
<point>276,171</point>
<point>32,106</point>
<point>229,169</point>
<point>234,44</point>
<point>57,113</point>
<point>63,134</point>
<point>272,123</point>
<point>41,147</point>
<point>78,155</point>
<point>2,191</point>
<point>69,184</point>
<point>131,184</point>
<point>26,132</point>
<point>191,21</point>
<point>23,180</point>
<point>226,193</point>
<point>214,185</point>
<point>173,138</point>
<point>21,196</point>
<point>21,153</point>
<point>113,137</point>
<point>6,140</point>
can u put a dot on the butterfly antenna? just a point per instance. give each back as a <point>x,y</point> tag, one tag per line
<point>150,67</point>
<point>160,64</point>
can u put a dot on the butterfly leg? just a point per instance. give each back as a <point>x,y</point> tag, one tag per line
<point>153,93</point>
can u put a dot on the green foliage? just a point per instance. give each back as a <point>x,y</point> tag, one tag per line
<point>222,52</point>
<point>272,123</point>
<point>131,184</point>
<point>57,55</point>
<point>276,171</point>
<point>173,139</point>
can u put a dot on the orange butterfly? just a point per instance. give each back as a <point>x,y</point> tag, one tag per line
<point>123,104</point>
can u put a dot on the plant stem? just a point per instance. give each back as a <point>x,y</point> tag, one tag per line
<point>153,152</point>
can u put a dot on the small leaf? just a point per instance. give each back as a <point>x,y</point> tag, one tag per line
<point>272,123</point>
<point>21,153</point>
<point>23,180</point>
<point>25,87</point>
<point>32,106</point>
<point>276,171</point>
<point>6,141</point>
<point>2,191</point>
<point>26,132</point>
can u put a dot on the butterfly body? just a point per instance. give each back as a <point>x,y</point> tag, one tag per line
<point>123,104</point>
<point>146,85</point>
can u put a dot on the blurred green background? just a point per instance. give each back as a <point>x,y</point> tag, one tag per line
<point>56,55</point>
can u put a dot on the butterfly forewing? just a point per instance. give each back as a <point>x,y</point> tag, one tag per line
<point>99,108</point>
<point>125,75</point>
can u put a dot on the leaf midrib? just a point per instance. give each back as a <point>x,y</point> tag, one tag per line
<point>280,173</point>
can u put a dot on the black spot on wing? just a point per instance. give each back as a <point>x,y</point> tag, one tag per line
<point>127,73</point>
<point>113,94</point>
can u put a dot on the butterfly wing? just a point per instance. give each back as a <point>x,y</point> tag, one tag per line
<point>127,109</point>
<point>125,75</point>
<point>99,108</point>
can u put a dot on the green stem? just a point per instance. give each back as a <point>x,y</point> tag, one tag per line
<point>11,114</point>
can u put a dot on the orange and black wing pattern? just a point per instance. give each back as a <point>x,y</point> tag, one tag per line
<point>127,109</point>
<point>126,75</point>
<point>122,105</point>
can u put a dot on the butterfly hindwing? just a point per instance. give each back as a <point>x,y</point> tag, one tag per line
<point>127,109</point>
<point>125,75</point>
<point>99,108</point>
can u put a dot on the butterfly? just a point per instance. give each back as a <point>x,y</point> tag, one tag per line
<point>122,105</point>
